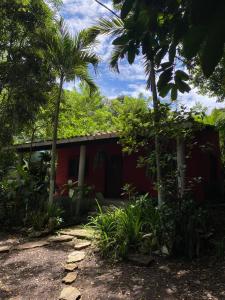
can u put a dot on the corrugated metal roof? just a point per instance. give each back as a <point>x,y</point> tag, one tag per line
<point>45,145</point>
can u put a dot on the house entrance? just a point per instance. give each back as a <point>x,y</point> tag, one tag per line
<point>114,176</point>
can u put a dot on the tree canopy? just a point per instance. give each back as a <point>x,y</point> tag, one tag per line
<point>26,77</point>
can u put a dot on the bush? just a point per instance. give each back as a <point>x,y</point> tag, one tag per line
<point>176,228</point>
<point>124,229</point>
<point>48,218</point>
<point>186,227</point>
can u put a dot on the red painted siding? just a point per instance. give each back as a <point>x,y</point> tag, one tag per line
<point>198,165</point>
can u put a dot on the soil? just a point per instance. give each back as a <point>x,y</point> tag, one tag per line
<point>37,274</point>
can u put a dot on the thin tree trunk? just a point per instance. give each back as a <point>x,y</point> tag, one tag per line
<point>31,145</point>
<point>54,141</point>
<point>180,167</point>
<point>157,142</point>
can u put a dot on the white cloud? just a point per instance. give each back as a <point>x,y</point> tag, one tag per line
<point>192,98</point>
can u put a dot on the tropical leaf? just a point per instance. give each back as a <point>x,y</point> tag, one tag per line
<point>164,78</point>
<point>193,40</point>
<point>213,48</point>
<point>131,53</point>
<point>182,75</point>
<point>165,90</point>
<point>174,93</point>
<point>182,86</point>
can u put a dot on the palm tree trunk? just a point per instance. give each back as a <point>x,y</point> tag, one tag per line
<point>54,141</point>
<point>157,142</point>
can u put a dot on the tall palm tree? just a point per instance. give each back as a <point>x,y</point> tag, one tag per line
<point>70,56</point>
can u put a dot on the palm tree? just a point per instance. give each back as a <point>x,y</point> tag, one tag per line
<point>70,57</point>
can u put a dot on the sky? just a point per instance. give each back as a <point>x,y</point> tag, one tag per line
<point>80,14</point>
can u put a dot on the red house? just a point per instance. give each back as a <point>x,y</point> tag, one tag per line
<point>98,161</point>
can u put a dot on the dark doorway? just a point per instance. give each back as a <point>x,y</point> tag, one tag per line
<point>114,176</point>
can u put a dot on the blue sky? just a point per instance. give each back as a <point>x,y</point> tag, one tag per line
<point>80,14</point>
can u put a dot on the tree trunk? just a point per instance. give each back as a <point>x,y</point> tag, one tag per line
<point>54,141</point>
<point>180,167</point>
<point>31,145</point>
<point>160,185</point>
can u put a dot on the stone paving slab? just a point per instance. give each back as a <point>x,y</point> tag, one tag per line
<point>78,232</point>
<point>31,245</point>
<point>60,238</point>
<point>70,293</point>
<point>81,244</point>
<point>70,267</point>
<point>70,278</point>
<point>76,256</point>
<point>4,249</point>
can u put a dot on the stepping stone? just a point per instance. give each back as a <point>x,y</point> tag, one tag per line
<point>31,245</point>
<point>140,259</point>
<point>4,249</point>
<point>60,238</point>
<point>76,256</point>
<point>79,233</point>
<point>71,267</point>
<point>70,293</point>
<point>81,244</point>
<point>70,278</point>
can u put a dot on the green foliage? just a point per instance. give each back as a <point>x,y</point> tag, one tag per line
<point>214,86</point>
<point>24,190</point>
<point>185,223</point>
<point>47,217</point>
<point>26,78</point>
<point>123,229</point>
<point>179,227</point>
<point>82,113</point>
<point>148,30</point>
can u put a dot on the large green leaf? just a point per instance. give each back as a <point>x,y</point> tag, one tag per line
<point>174,93</point>
<point>165,90</point>
<point>182,86</point>
<point>193,40</point>
<point>213,49</point>
<point>164,78</point>
<point>160,55</point>
<point>182,75</point>
<point>131,54</point>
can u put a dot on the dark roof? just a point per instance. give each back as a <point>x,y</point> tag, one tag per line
<point>46,145</point>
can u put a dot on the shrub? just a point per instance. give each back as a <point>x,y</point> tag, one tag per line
<point>185,227</point>
<point>49,217</point>
<point>176,228</point>
<point>124,229</point>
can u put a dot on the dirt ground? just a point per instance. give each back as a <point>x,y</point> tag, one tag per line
<point>37,274</point>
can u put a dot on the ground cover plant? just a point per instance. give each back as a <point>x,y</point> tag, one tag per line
<point>142,227</point>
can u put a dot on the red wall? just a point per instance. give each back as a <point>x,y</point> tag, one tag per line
<point>97,175</point>
<point>198,165</point>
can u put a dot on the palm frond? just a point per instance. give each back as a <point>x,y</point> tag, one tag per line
<point>108,26</point>
<point>117,54</point>
<point>83,74</point>
<point>147,67</point>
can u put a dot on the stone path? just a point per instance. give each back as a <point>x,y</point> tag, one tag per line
<point>79,238</point>
<point>81,242</point>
